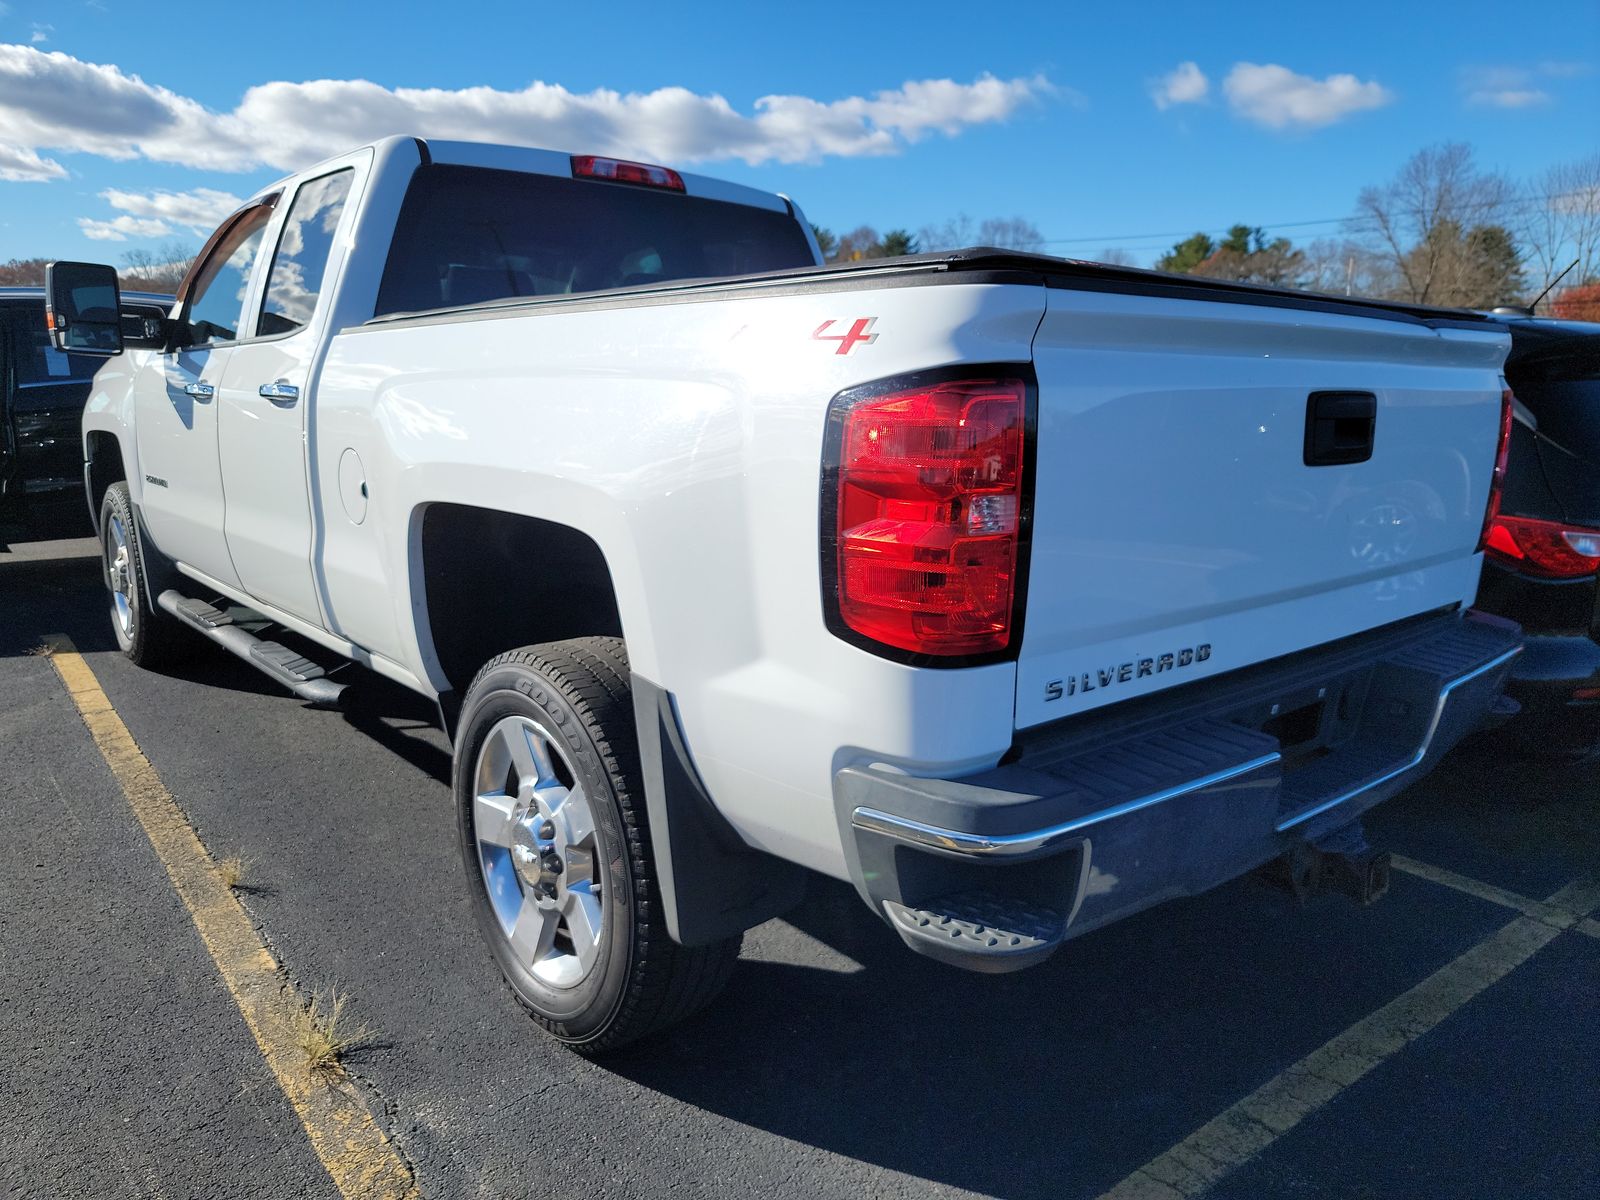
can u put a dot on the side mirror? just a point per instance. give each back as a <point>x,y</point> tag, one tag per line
<point>83,308</point>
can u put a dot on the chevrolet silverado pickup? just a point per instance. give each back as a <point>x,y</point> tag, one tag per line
<point>1020,593</point>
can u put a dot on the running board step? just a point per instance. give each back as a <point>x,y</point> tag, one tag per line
<point>979,930</point>
<point>290,668</point>
<point>202,615</point>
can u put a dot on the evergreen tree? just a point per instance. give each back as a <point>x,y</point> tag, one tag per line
<point>897,243</point>
<point>1187,254</point>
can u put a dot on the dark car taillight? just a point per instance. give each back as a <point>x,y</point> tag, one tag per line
<point>924,514</point>
<point>1545,548</point>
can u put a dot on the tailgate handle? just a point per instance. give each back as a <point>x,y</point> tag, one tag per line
<point>1339,427</point>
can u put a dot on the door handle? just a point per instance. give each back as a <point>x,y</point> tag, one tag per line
<point>200,391</point>
<point>280,391</point>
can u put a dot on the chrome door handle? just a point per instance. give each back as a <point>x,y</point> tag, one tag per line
<point>201,391</point>
<point>279,391</point>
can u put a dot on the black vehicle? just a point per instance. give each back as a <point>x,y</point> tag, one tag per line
<point>42,394</point>
<point>1542,566</point>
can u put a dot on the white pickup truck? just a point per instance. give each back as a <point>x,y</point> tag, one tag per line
<point>1022,593</point>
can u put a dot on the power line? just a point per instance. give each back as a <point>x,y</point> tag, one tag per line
<point>1356,223</point>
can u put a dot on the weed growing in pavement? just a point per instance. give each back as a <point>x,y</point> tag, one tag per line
<point>42,650</point>
<point>324,1034</point>
<point>233,870</point>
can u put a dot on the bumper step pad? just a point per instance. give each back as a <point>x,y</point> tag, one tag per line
<point>979,930</point>
<point>1101,817</point>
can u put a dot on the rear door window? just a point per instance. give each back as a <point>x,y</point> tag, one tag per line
<point>301,261</point>
<point>467,235</point>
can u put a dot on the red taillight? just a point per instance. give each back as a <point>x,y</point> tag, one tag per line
<point>929,515</point>
<point>1498,479</point>
<point>589,166</point>
<point>1546,548</point>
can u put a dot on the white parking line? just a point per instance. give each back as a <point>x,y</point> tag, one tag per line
<point>1539,910</point>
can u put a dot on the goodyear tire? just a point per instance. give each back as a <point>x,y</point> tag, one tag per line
<point>555,842</point>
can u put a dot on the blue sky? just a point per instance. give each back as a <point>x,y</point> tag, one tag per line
<point>1302,105</point>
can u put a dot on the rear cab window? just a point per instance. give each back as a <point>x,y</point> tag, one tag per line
<point>468,235</point>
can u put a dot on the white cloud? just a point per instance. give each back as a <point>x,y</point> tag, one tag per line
<point>120,229</point>
<point>52,100</point>
<point>1184,84</point>
<point>200,210</point>
<point>41,33</point>
<point>1508,97</point>
<point>1279,98</point>
<point>1514,86</point>
<point>25,166</point>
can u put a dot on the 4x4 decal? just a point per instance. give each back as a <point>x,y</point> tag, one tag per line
<point>858,334</point>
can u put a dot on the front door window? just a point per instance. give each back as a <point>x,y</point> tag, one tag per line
<point>214,308</point>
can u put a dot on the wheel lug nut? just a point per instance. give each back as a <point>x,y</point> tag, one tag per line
<point>547,830</point>
<point>552,864</point>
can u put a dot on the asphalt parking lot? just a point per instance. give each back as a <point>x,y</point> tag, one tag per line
<point>1205,1047</point>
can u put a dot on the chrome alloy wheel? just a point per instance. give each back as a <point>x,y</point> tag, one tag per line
<point>535,833</point>
<point>119,575</point>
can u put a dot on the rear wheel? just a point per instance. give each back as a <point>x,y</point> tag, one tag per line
<point>147,635</point>
<point>556,846</point>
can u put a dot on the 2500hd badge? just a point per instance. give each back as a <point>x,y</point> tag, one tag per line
<point>1125,672</point>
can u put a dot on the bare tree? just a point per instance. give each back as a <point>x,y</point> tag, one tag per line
<point>1006,233</point>
<point>953,234</point>
<point>1011,233</point>
<point>1343,267</point>
<point>1116,256</point>
<point>1421,219</point>
<point>158,270</point>
<point>861,242</point>
<point>1560,221</point>
<point>23,272</point>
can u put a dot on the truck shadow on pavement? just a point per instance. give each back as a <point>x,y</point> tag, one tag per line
<point>1062,1080</point>
<point>1057,1081</point>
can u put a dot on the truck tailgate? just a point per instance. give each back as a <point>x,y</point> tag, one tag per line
<point>1178,529</point>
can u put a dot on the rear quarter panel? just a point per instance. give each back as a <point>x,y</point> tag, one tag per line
<point>685,438</point>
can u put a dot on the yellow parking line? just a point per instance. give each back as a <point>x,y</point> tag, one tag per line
<point>1247,1128</point>
<point>1539,910</point>
<point>359,1157</point>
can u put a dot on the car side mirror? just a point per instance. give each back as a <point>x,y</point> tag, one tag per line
<point>83,308</point>
<point>146,333</point>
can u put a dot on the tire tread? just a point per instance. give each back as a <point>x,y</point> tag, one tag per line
<point>669,982</point>
<point>159,640</point>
